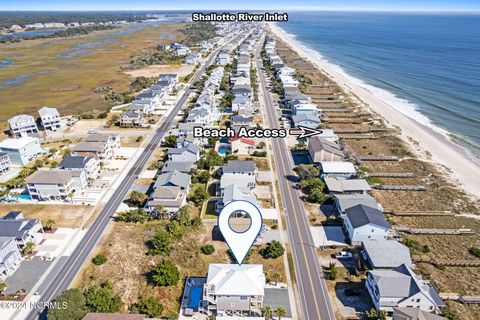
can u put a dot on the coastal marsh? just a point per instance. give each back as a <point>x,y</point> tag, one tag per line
<point>45,77</point>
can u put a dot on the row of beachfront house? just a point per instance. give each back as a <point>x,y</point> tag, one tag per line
<point>149,101</point>
<point>390,281</point>
<point>23,125</point>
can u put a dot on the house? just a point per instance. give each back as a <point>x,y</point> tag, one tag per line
<point>306,120</point>
<point>5,163</point>
<point>132,118</point>
<point>337,169</point>
<point>10,257</point>
<point>336,185</point>
<point>235,192</point>
<point>241,121</point>
<point>55,184</point>
<point>14,225</point>
<point>242,145</point>
<point>179,49</point>
<point>182,166</point>
<point>173,178</point>
<point>295,97</point>
<point>192,58</point>
<point>234,290</point>
<point>189,153</point>
<point>363,223</point>
<point>305,108</point>
<point>184,141</point>
<point>22,150</point>
<point>343,202</point>
<point>100,146</point>
<point>385,254</point>
<point>241,102</point>
<point>223,57</point>
<point>288,82</point>
<point>402,313</point>
<point>327,134</point>
<point>241,173</point>
<point>285,71</point>
<point>321,150</point>
<point>88,164</point>
<point>242,90</point>
<point>170,198</point>
<point>185,129</point>
<point>50,119</point>
<point>401,287</point>
<point>23,125</point>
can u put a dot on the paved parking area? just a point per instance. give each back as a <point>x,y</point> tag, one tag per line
<point>277,297</point>
<point>26,275</point>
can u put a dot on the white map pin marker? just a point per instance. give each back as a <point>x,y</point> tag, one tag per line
<point>240,242</point>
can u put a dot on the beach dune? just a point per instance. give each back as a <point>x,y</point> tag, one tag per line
<point>451,158</point>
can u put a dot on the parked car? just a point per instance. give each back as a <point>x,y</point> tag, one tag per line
<point>351,292</point>
<point>343,255</point>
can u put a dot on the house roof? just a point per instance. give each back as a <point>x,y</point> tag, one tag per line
<point>192,148</point>
<point>241,100</point>
<point>305,117</point>
<point>235,192</point>
<point>50,177</point>
<point>346,201</point>
<point>337,167</point>
<point>182,166</point>
<point>46,111</point>
<point>395,283</point>
<point>21,118</point>
<point>240,119</point>
<point>237,166</point>
<point>317,144</point>
<point>361,215</point>
<point>387,254</point>
<point>166,193</point>
<point>99,137</point>
<point>243,140</point>
<point>89,146</point>
<point>16,227</point>
<point>335,184</point>
<point>173,178</point>
<point>415,314</point>
<point>17,143</point>
<point>237,280</point>
<point>74,162</point>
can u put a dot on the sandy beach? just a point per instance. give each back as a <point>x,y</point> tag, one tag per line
<point>433,146</point>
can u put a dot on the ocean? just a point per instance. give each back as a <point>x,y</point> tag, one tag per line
<point>425,65</point>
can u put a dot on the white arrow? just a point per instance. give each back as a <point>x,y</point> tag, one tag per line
<point>304,132</point>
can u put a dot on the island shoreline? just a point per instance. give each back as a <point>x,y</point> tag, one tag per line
<point>433,146</point>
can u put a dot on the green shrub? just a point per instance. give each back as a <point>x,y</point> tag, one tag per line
<point>207,249</point>
<point>99,259</point>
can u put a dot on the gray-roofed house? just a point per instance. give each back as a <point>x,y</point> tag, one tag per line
<point>13,224</point>
<point>386,254</point>
<point>338,185</point>
<point>10,257</point>
<point>242,90</point>
<point>403,313</point>
<point>88,164</point>
<point>401,287</point>
<point>23,125</point>
<point>321,150</point>
<point>173,178</point>
<point>345,201</point>
<point>241,121</point>
<point>182,166</point>
<point>132,118</point>
<point>189,153</point>
<point>170,198</point>
<point>306,120</point>
<point>238,172</point>
<point>50,119</point>
<point>363,223</point>
<point>55,184</point>
<point>100,146</point>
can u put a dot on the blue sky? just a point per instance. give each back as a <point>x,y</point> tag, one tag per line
<point>367,5</point>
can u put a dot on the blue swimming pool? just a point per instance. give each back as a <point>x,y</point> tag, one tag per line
<point>222,151</point>
<point>25,197</point>
<point>195,297</point>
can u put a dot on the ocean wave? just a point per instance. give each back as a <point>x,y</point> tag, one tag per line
<point>404,106</point>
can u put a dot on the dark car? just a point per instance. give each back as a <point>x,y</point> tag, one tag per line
<point>351,292</point>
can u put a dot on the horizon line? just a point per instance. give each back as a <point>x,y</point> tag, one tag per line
<point>472,11</point>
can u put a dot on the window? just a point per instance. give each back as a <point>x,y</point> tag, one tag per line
<point>243,298</point>
<point>418,300</point>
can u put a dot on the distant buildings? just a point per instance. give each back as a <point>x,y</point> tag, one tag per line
<point>50,119</point>
<point>23,125</point>
<point>22,150</point>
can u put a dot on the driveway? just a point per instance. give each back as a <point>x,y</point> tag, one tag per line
<point>26,275</point>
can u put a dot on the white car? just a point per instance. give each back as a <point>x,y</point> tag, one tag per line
<point>343,255</point>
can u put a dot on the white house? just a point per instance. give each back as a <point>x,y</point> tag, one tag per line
<point>10,257</point>
<point>50,119</point>
<point>23,230</point>
<point>56,184</point>
<point>22,150</point>
<point>363,223</point>
<point>190,153</point>
<point>241,173</point>
<point>89,164</point>
<point>22,125</point>
<point>240,103</point>
<point>306,120</point>
<point>233,290</point>
<point>170,198</point>
<point>401,287</point>
<point>305,108</point>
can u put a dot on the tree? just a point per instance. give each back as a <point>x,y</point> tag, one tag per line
<point>306,171</point>
<point>160,243</point>
<point>280,312</point>
<point>161,212</point>
<point>267,312</point>
<point>148,306</point>
<point>171,141</point>
<point>273,250</point>
<point>310,184</point>
<point>100,298</point>
<point>277,277</point>
<point>199,196</point>
<point>74,303</point>
<point>99,259</point>
<point>3,286</point>
<point>207,249</point>
<point>28,248</point>
<point>316,196</point>
<point>203,177</point>
<point>374,314</point>
<point>49,224</point>
<point>331,271</point>
<point>137,198</point>
<point>133,216</point>
<point>165,273</point>
<point>474,251</point>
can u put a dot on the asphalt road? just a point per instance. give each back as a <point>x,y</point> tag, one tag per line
<point>78,258</point>
<point>313,293</point>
